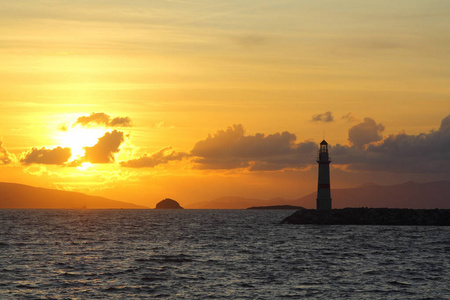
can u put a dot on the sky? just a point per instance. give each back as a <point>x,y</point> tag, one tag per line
<point>193,100</point>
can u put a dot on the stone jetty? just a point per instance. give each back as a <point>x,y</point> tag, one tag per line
<point>371,216</point>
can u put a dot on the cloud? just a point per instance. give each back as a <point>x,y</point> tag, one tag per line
<point>120,122</point>
<point>400,153</point>
<point>325,117</point>
<point>231,148</point>
<point>103,151</point>
<point>364,133</point>
<point>163,156</point>
<point>396,153</point>
<point>349,117</point>
<point>5,157</point>
<point>63,127</point>
<point>56,156</point>
<point>103,119</point>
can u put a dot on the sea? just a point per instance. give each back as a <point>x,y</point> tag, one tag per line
<point>215,254</point>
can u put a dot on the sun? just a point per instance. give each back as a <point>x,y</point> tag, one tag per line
<point>78,137</point>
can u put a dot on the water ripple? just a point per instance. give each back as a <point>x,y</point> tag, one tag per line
<point>228,254</point>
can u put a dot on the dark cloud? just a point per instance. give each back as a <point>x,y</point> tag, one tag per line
<point>120,122</point>
<point>231,148</point>
<point>401,153</point>
<point>103,119</point>
<point>397,153</point>
<point>94,118</point>
<point>103,151</point>
<point>161,157</point>
<point>56,156</point>
<point>5,157</point>
<point>325,117</point>
<point>364,133</point>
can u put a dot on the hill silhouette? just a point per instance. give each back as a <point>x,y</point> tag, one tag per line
<point>13,195</point>
<point>406,195</point>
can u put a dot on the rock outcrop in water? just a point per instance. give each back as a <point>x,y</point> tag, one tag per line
<point>168,204</point>
<point>371,216</point>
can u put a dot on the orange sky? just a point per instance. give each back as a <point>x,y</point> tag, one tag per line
<point>195,100</point>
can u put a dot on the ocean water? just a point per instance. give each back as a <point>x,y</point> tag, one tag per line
<point>214,254</point>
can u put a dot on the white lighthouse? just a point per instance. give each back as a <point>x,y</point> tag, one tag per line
<point>323,200</point>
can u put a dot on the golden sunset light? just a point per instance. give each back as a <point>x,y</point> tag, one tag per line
<point>198,100</point>
<point>78,138</point>
<point>199,149</point>
<point>84,166</point>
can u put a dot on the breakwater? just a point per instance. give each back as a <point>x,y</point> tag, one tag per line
<point>371,216</point>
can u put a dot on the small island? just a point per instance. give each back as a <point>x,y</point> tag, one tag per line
<point>168,204</point>
<point>371,216</point>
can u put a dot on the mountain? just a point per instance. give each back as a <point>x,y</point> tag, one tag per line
<point>13,195</point>
<point>406,195</point>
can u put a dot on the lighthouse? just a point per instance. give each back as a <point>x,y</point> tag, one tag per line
<point>323,200</point>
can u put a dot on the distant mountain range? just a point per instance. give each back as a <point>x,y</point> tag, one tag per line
<point>406,195</point>
<point>13,195</point>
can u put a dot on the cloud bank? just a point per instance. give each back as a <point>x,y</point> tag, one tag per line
<point>102,119</point>
<point>368,151</point>
<point>56,156</point>
<point>231,148</point>
<point>163,156</point>
<point>399,153</point>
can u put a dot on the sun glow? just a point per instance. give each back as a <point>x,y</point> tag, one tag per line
<point>84,166</point>
<point>78,137</point>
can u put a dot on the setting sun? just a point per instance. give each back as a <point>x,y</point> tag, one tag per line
<point>76,138</point>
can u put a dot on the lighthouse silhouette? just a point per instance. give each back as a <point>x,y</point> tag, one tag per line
<point>323,200</point>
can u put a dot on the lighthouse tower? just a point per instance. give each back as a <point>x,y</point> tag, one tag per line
<point>323,189</point>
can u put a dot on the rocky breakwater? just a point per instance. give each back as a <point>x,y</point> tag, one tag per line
<point>371,216</point>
